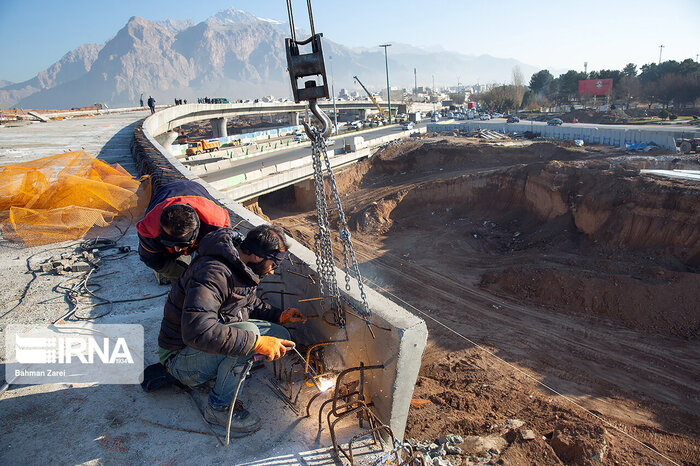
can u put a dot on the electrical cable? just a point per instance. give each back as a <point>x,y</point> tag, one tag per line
<point>517,369</point>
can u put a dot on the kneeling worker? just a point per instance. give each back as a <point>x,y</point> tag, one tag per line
<point>213,321</point>
<point>179,215</point>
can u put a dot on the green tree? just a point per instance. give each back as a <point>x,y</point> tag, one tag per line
<point>615,75</point>
<point>540,80</point>
<point>568,83</point>
<point>630,70</point>
<point>671,81</point>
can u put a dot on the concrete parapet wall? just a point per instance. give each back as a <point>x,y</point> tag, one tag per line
<point>605,135</point>
<point>177,115</point>
<point>400,336</point>
<point>179,149</point>
<point>264,180</point>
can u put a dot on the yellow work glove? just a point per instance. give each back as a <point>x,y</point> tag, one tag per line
<point>292,315</point>
<point>272,348</point>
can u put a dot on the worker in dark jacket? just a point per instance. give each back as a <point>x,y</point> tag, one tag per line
<point>179,215</point>
<point>213,321</point>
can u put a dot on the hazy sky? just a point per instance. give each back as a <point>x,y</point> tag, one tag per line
<point>555,34</point>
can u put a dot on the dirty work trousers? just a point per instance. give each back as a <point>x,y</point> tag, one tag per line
<point>193,367</point>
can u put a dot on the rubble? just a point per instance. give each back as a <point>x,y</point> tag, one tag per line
<point>434,452</point>
<point>71,262</point>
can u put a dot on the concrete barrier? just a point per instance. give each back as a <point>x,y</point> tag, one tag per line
<point>400,336</point>
<point>603,134</point>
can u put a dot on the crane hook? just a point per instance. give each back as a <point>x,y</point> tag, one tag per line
<point>322,117</point>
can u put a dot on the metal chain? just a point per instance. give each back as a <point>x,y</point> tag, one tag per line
<point>323,248</point>
<point>344,232</point>
<point>322,240</point>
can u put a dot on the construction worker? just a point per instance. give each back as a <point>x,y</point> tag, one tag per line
<point>213,322</point>
<point>179,215</point>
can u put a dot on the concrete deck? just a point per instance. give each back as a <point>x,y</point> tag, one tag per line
<point>120,424</point>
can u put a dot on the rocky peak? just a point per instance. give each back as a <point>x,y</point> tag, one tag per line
<point>232,16</point>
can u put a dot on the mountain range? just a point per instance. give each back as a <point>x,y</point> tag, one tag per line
<point>232,54</point>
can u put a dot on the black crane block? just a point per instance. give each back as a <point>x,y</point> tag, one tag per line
<point>306,65</point>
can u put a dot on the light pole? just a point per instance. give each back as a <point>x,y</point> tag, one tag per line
<point>388,89</point>
<point>661,49</point>
<point>335,111</point>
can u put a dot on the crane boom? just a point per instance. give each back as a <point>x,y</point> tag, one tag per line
<point>374,101</point>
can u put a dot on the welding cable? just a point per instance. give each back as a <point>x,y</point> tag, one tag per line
<point>86,245</point>
<point>32,271</point>
<point>517,369</point>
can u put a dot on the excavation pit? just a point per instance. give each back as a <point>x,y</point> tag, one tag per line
<point>553,257</point>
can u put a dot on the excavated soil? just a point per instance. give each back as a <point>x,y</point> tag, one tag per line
<point>535,264</point>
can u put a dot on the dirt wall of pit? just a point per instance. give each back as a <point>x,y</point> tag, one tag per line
<point>630,243</point>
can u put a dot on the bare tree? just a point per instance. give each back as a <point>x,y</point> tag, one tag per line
<point>518,79</point>
<point>517,89</point>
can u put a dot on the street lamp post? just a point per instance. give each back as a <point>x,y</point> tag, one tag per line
<point>335,111</point>
<point>388,89</point>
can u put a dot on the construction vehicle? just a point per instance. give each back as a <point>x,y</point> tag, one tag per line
<point>202,145</point>
<point>688,145</point>
<point>382,113</point>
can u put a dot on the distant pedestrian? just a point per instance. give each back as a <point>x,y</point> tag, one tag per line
<point>185,101</point>
<point>152,104</point>
<point>141,100</point>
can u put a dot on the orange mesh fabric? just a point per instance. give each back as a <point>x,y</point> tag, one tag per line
<point>60,197</point>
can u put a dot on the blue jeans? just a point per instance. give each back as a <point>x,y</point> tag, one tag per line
<point>193,367</point>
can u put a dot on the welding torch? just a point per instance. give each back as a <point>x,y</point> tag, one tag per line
<point>315,374</point>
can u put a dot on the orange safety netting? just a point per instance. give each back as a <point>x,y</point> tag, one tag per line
<point>60,197</point>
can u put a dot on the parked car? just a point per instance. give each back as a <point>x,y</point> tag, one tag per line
<point>497,115</point>
<point>407,126</point>
<point>485,116</point>
<point>513,119</point>
<point>435,118</point>
<point>555,122</point>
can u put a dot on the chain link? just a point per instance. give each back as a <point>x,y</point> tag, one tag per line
<point>322,240</point>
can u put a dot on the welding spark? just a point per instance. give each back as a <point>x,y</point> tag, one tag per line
<point>326,383</point>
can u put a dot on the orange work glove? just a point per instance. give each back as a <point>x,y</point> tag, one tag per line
<point>272,348</point>
<point>292,315</point>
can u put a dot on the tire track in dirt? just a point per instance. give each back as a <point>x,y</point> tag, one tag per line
<point>547,328</point>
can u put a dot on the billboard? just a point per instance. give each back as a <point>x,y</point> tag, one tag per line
<point>595,86</point>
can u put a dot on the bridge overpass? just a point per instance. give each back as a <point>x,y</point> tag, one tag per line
<point>165,121</point>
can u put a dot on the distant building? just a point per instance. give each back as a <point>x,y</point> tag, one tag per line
<point>396,95</point>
